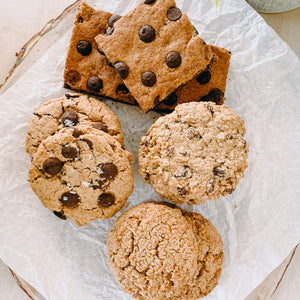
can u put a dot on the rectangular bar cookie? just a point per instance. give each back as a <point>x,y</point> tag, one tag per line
<point>86,68</point>
<point>155,49</point>
<point>210,85</point>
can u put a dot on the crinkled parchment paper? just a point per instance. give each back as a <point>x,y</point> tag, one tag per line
<point>259,222</point>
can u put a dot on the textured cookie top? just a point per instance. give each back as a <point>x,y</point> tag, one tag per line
<point>70,111</point>
<point>210,258</point>
<point>152,251</point>
<point>155,49</point>
<point>82,173</point>
<point>209,85</point>
<point>194,154</point>
<point>86,68</point>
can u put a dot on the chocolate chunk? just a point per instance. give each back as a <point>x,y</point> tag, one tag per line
<point>73,76</point>
<point>217,95</point>
<point>149,1</point>
<point>109,170</point>
<point>204,77</point>
<point>147,33</point>
<point>60,215</point>
<point>76,133</point>
<point>173,59</point>
<point>69,151</point>
<point>94,83</point>
<point>69,199</point>
<point>100,184</point>
<point>122,89</point>
<point>148,78</point>
<point>109,31</point>
<point>219,171</point>
<point>113,19</point>
<point>100,126</point>
<point>106,200</point>
<point>52,166</point>
<point>171,100</point>
<point>69,118</point>
<point>90,144</point>
<point>174,13</point>
<point>122,69</point>
<point>84,47</point>
<point>206,98</point>
<point>80,20</point>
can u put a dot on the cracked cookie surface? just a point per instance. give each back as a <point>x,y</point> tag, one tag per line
<point>194,154</point>
<point>70,111</point>
<point>82,173</point>
<point>152,252</point>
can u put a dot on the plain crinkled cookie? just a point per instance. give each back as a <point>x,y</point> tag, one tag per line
<point>70,111</point>
<point>82,173</point>
<point>194,154</point>
<point>152,252</point>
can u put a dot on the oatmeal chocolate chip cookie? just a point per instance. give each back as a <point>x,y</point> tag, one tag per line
<point>152,252</point>
<point>194,154</point>
<point>155,49</point>
<point>86,68</point>
<point>209,85</point>
<point>82,173</point>
<point>70,111</point>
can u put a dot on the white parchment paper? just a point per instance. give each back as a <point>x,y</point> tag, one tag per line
<point>259,222</point>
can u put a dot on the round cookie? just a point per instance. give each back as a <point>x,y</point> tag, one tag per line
<point>152,252</point>
<point>69,111</point>
<point>82,173</point>
<point>194,154</point>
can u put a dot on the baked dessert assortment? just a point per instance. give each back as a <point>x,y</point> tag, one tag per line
<point>152,57</point>
<point>159,252</point>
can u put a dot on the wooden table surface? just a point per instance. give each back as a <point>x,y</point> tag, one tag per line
<point>20,22</point>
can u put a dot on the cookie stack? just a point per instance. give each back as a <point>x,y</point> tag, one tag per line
<point>152,56</point>
<point>159,252</point>
<point>79,168</point>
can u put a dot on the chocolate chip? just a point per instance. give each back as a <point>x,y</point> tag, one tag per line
<point>80,20</point>
<point>122,89</point>
<point>109,170</point>
<point>147,177</point>
<point>113,19</point>
<point>60,215</point>
<point>171,100</point>
<point>69,199</point>
<point>84,47</point>
<point>204,77</point>
<point>174,13</point>
<point>182,191</point>
<point>90,144</point>
<point>106,200</point>
<point>69,151</point>
<point>206,98</point>
<point>52,166</point>
<point>219,171</point>
<point>217,95</point>
<point>173,59</point>
<point>69,118</point>
<point>99,186</point>
<point>109,31</point>
<point>100,126</point>
<point>147,33</point>
<point>94,83</point>
<point>149,1</point>
<point>73,76</point>
<point>122,69</point>
<point>148,78</point>
<point>76,133</point>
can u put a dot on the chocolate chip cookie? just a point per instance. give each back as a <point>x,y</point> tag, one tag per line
<point>86,68</point>
<point>70,111</point>
<point>153,252</point>
<point>155,49</point>
<point>82,173</point>
<point>209,85</point>
<point>194,154</point>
